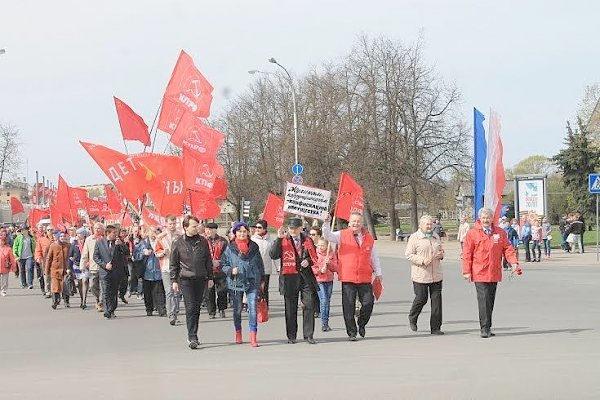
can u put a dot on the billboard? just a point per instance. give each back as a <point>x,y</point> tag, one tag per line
<point>530,196</point>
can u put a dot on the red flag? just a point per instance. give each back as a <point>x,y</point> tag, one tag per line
<point>77,197</point>
<point>350,198</point>
<point>126,221</point>
<point>273,212</point>
<point>202,141</point>
<point>16,206</point>
<point>168,198</point>
<point>63,199</point>
<point>219,190</point>
<point>189,88</point>
<point>130,176</point>
<point>96,207</point>
<point>203,206</point>
<point>115,205</point>
<point>132,125</point>
<point>170,115</point>
<point>36,215</point>
<point>152,218</point>
<point>197,175</point>
<point>56,217</point>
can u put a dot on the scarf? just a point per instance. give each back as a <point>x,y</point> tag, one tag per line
<point>243,245</point>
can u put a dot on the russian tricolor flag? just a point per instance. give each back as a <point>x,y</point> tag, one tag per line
<point>489,168</point>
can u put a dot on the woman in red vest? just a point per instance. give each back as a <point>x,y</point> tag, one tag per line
<point>357,261</point>
<point>297,254</point>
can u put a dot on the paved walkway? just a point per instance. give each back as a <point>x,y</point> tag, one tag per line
<point>547,346</point>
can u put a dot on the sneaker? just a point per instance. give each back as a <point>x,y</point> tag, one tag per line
<point>124,300</point>
<point>212,316</point>
<point>30,286</point>
<point>149,313</point>
<point>3,293</point>
<point>173,320</point>
<point>192,344</point>
<point>438,332</point>
<point>222,313</point>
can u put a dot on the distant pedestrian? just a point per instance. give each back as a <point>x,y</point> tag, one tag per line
<point>56,268</point>
<point>23,249</point>
<point>546,236</point>
<point>462,231</point>
<point>8,264</point>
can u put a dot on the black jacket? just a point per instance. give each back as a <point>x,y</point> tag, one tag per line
<point>190,258</point>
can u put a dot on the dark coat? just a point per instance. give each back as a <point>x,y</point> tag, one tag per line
<point>117,257</point>
<point>190,258</point>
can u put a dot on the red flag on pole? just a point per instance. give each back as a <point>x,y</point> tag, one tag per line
<point>132,125</point>
<point>36,215</point>
<point>273,212</point>
<point>202,141</point>
<point>170,115</point>
<point>219,190</point>
<point>189,88</point>
<point>130,176</point>
<point>77,197</point>
<point>63,198</point>
<point>16,206</point>
<point>349,199</point>
<point>203,206</point>
<point>126,222</point>
<point>152,218</point>
<point>115,205</point>
<point>198,176</point>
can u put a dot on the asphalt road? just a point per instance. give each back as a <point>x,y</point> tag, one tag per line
<point>547,346</point>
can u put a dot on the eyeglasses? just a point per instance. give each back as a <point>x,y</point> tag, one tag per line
<point>312,234</point>
<point>259,227</point>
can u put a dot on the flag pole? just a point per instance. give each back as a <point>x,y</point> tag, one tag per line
<point>153,127</point>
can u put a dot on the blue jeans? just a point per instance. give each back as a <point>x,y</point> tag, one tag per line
<point>172,298</point>
<point>236,297</point>
<point>26,265</point>
<point>547,247</point>
<point>325,290</point>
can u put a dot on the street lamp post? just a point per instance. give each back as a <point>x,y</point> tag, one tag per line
<point>291,85</point>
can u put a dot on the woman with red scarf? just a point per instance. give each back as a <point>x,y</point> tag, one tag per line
<point>242,263</point>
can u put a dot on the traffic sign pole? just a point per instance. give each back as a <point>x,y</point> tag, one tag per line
<point>597,233</point>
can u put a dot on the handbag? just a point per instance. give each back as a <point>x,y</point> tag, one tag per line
<point>262,311</point>
<point>570,238</point>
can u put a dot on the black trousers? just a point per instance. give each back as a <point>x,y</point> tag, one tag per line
<point>137,272</point>
<point>294,287</point>
<point>350,291</point>
<point>435,293</point>
<point>217,295</point>
<point>154,297</point>
<point>486,295</point>
<point>40,275</point>
<point>193,293</point>
<point>265,293</point>
<point>526,242</point>
<point>110,289</point>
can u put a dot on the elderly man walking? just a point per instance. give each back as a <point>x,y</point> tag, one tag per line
<point>483,249</point>
<point>357,261</point>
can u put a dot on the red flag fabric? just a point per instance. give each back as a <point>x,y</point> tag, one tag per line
<point>97,207</point>
<point>189,88</point>
<point>152,218</point>
<point>219,190</point>
<point>63,199</point>
<point>170,115</point>
<point>132,125</point>
<point>202,141</point>
<point>115,205</point>
<point>77,197</point>
<point>36,215</point>
<point>126,221</point>
<point>168,198</point>
<point>197,175</point>
<point>131,177</point>
<point>16,206</point>
<point>203,206</point>
<point>56,217</point>
<point>350,198</point>
<point>273,212</point>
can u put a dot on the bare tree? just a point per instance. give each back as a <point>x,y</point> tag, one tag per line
<point>9,151</point>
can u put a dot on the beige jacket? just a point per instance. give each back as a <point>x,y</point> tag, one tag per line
<point>421,252</point>
<point>87,255</point>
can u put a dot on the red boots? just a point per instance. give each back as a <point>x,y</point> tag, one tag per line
<point>253,341</point>
<point>238,337</point>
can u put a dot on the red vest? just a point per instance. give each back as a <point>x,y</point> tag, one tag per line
<point>288,255</point>
<point>354,262</point>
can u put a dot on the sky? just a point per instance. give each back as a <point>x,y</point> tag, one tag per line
<point>528,60</point>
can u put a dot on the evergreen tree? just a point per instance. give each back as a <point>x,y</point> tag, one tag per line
<point>576,162</point>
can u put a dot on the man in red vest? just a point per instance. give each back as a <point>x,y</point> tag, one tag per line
<point>217,295</point>
<point>297,254</point>
<point>357,261</point>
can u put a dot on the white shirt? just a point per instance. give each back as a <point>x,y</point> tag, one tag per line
<point>334,237</point>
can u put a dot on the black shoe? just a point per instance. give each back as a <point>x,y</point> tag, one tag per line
<point>83,306</point>
<point>413,326</point>
<point>438,332</point>
<point>193,344</point>
<point>172,321</point>
<point>148,313</point>
<point>212,316</point>
<point>317,314</point>
<point>310,340</point>
<point>361,331</point>
<point>162,314</point>
<point>54,306</point>
<point>222,313</point>
<point>124,300</point>
<point>352,338</point>
<point>326,328</point>
<point>492,334</point>
<point>292,341</point>
<point>107,315</point>
<point>485,334</point>
<point>67,305</point>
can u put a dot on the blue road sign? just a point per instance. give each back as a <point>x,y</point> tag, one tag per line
<point>594,183</point>
<point>297,179</point>
<point>297,169</point>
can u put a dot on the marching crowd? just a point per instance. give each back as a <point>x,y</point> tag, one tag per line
<point>164,265</point>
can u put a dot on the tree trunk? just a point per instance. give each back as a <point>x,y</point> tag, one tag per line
<point>414,208</point>
<point>393,218</point>
<point>369,220</point>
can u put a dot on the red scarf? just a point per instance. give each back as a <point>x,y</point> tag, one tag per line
<point>288,254</point>
<point>243,245</point>
<point>217,249</point>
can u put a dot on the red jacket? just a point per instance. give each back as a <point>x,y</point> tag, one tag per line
<point>482,254</point>
<point>320,262</point>
<point>8,263</point>
<point>354,262</point>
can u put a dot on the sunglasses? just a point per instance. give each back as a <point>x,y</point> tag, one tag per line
<point>259,227</point>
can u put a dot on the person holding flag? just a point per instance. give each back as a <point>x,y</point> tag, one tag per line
<point>484,247</point>
<point>357,262</point>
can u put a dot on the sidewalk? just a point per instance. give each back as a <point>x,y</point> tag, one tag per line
<point>558,258</point>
